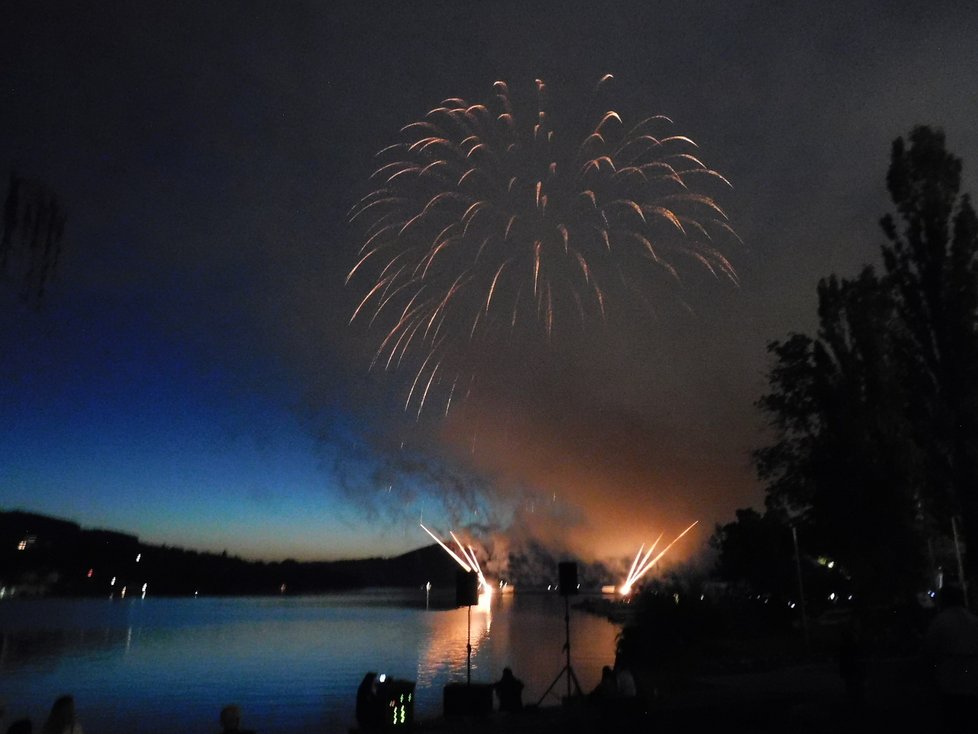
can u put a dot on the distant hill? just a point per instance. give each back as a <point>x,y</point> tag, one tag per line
<point>43,555</point>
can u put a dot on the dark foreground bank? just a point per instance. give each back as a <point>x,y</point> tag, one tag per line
<point>802,698</point>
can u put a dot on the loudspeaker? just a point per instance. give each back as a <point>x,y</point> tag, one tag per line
<point>567,578</point>
<point>466,589</point>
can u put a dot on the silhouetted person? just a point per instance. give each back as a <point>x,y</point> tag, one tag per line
<point>20,726</point>
<point>951,651</point>
<point>62,718</point>
<point>231,720</point>
<point>368,717</point>
<point>509,690</point>
<point>607,688</point>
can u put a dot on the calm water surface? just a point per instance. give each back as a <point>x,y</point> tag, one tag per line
<point>292,663</point>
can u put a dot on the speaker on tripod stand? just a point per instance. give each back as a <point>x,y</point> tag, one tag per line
<point>467,595</point>
<point>567,586</point>
<point>470,699</point>
<point>466,589</point>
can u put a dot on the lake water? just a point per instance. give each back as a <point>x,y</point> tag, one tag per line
<point>293,664</point>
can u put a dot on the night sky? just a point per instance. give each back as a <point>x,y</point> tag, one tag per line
<point>191,375</point>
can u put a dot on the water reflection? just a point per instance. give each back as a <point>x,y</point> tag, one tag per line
<point>163,665</point>
<point>41,649</point>
<point>448,634</point>
<point>529,636</point>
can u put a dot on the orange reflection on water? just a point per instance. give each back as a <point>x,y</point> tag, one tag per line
<point>447,639</point>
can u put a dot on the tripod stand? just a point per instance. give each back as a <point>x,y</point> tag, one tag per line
<point>468,649</point>
<point>567,669</point>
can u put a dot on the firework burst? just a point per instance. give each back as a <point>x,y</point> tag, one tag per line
<point>486,222</point>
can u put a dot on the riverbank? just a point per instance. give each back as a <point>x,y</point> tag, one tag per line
<point>802,698</point>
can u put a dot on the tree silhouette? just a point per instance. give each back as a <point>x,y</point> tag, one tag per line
<point>844,463</point>
<point>756,550</point>
<point>931,260</point>
<point>876,417</point>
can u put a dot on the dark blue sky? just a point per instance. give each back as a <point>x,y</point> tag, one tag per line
<point>191,376</point>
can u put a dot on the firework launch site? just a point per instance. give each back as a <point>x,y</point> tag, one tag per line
<point>701,652</point>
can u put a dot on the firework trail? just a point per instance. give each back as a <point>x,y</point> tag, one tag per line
<point>641,565</point>
<point>471,563</point>
<point>486,222</point>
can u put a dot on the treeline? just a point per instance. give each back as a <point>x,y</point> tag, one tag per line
<point>47,556</point>
<point>873,465</point>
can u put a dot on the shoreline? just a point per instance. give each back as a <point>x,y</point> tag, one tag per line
<point>808,697</point>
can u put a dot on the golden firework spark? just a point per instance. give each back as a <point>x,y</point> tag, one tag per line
<point>486,219</point>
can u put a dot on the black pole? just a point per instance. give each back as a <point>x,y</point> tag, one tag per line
<point>801,590</point>
<point>567,643</point>
<point>468,650</point>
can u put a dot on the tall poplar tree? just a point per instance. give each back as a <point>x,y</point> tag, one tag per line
<point>931,260</point>
<point>876,416</point>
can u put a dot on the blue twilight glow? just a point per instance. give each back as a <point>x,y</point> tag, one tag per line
<point>192,376</point>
